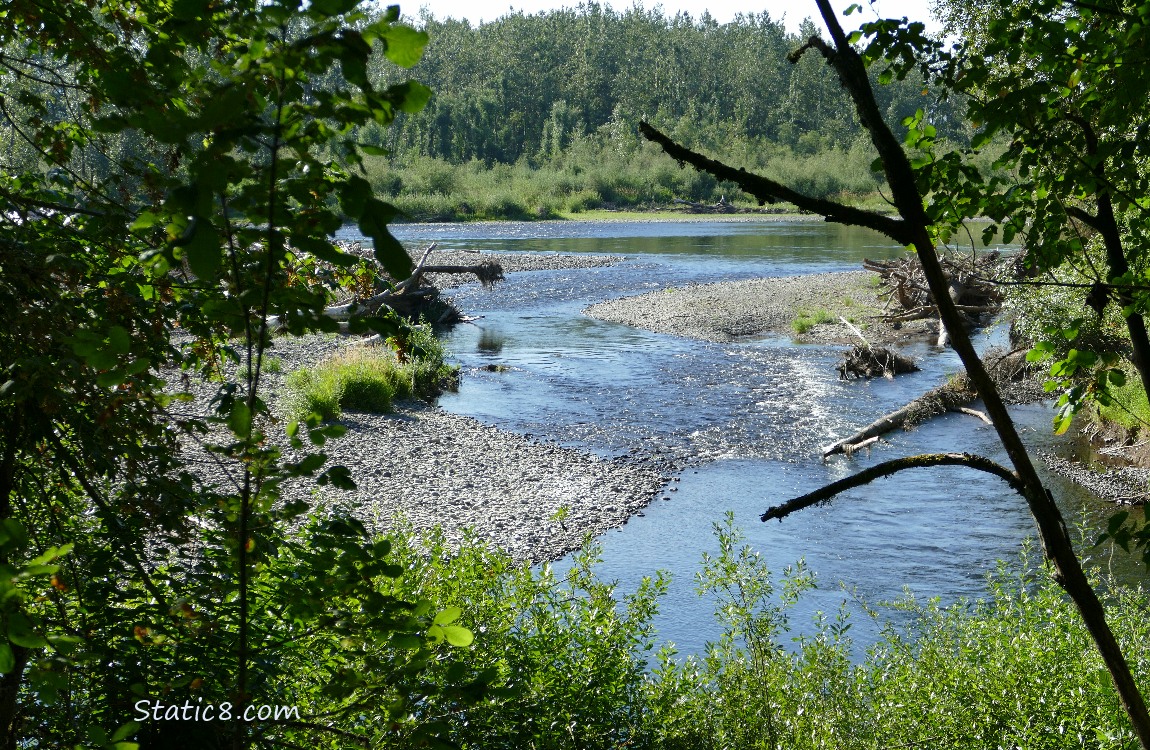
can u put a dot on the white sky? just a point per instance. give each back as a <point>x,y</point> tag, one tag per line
<point>792,12</point>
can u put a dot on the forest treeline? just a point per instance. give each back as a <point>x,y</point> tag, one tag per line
<point>534,116</point>
<point>537,114</point>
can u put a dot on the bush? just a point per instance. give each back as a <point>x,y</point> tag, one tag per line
<point>370,379</point>
<point>574,665</point>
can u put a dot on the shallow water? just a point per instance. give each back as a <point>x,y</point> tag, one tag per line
<point>746,420</point>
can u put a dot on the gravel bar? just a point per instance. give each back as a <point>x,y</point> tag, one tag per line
<point>435,468</point>
<point>1125,484</point>
<point>732,310</point>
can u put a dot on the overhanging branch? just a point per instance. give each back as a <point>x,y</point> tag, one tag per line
<point>885,469</point>
<point>1085,217</point>
<point>768,191</point>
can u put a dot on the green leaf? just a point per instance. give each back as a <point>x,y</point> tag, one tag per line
<point>22,633</point>
<point>240,418</point>
<point>407,641</point>
<point>390,254</point>
<point>7,658</point>
<point>447,616</point>
<point>354,194</point>
<point>119,341</point>
<point>458,636</point>
<point>404,45</point>
<point>411,96</point>
<point>146,220</point>
<point>125,731</point>
<point>322,249</point>
<point>338,477</point>
<point>333,7</point>
<point>204,253</point>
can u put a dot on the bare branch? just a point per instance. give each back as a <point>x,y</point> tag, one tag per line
<point>885,469</point>
<point>1084,216</point>
<point>768,191</point>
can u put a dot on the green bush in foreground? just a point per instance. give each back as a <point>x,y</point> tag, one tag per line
<point>575,666</point>
<point>371,379</point>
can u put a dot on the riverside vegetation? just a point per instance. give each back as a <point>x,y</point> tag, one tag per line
<point>165,164</point>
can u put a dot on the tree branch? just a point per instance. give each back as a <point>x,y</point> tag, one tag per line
<point>885,469</point>
<point>768,191</point>
<point>1084,216</point>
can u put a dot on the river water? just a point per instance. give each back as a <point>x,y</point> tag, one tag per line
<point>745,420</point>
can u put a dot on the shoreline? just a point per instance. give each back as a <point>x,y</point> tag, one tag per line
<point>535,498</point>
<point>806,307</point>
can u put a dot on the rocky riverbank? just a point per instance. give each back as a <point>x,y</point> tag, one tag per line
<point>807,308</point>
<point>536,499</point>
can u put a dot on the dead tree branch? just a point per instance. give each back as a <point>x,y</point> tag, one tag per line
<point>766,190</point>
<point>887,468</point>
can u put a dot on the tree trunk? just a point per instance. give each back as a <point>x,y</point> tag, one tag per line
<point>913,229</point>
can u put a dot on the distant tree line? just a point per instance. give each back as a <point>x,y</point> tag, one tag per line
<point>527,86</point>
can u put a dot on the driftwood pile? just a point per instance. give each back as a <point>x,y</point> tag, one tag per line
<point>973,294</point>
<point>866,361</point>
<point>412,297</point>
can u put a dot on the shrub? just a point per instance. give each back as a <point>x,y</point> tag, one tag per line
<point>370,379</point>
<point>571,660</point>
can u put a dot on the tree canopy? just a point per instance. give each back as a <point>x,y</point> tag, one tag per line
<point>174,174</point>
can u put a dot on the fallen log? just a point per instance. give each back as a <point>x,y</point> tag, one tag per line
<point>936,401</point>
<point>954,395</point>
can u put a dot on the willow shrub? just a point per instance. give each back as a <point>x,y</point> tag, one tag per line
<point>578,665</point>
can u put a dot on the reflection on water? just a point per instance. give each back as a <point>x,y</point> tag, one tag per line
<point>745,420</point>
<point>490,341</point>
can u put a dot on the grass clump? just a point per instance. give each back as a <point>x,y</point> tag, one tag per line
<point>372,379</point>
<point>808,319</point>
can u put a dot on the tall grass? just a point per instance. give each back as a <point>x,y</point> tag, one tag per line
<point>370,379</point>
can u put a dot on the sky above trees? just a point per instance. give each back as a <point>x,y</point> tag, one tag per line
<point>791,11</point>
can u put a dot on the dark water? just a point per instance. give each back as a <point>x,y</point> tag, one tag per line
<point>746,420</point>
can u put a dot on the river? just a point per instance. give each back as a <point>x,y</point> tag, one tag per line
<point>745,420</point>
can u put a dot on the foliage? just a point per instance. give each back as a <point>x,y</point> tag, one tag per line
<point>592,173</point>
<point>1058,80</point>
<point>573,661</point>
<point>533,86</point>
<point>367,379</point>
<point>177,164</point>
<point>566,654</point>
<point>808,319</point>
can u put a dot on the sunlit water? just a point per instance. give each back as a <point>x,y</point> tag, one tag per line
<point>744,420</point>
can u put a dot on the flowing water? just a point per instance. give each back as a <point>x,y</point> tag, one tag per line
<point>745,420</point>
